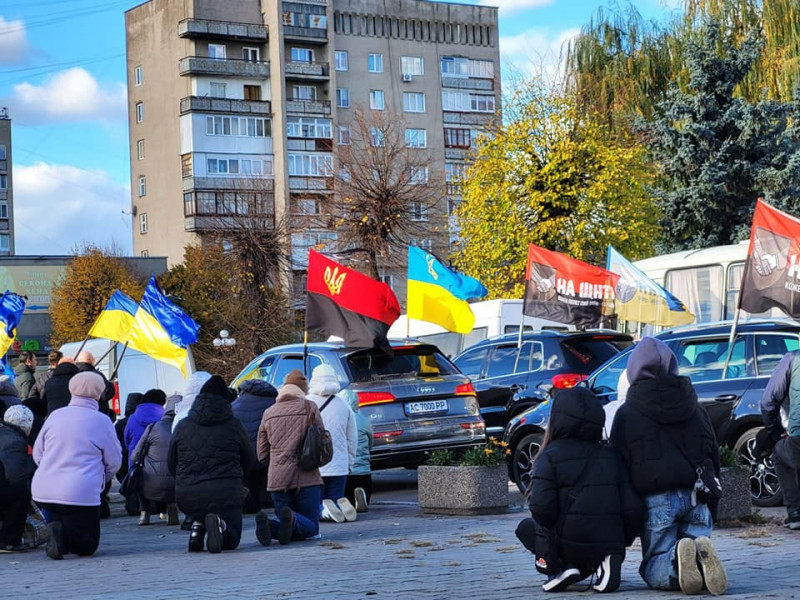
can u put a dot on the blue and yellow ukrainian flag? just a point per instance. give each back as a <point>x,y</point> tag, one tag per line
<point>438,294</point>
<point>160,329</point>
<point>116,319</point>
<point>11,308</point>
<point>639,298</point>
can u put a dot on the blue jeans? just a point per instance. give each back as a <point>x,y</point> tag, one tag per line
<point>670,517</point>
<point>305,504</point>
<point>334,487</point>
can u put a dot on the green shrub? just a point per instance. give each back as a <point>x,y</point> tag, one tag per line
<point>728,458</point>
<point>441,458</point>
<point>491,454</point>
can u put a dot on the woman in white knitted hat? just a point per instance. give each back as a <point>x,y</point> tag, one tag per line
<point>16,467</point>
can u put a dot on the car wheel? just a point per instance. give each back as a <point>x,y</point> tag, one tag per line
<point>522,464</point>
<point>764,484</point>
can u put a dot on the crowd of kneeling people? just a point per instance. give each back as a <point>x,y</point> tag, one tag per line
<point>215,455</point>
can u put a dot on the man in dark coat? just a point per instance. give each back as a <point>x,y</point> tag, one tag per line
<point>16,470</point>
<point>209,455</point>
<point>255,396</point>
<point>665,437</point>
<point>24,371</point>
<point>85,362</point>
<point>56,390</point>
<point>42,378</point>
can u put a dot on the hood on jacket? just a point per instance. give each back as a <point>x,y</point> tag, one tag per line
<point>323,381</point>
<point>147,413</point>
<point>210,408</point>
<point>193,385</point>
<point>257,387</point>
<point>290,392</point>
<point>577,414</point>
<point>8,389</point>
<point>651,358</point>
<point>669,400</point>
<point>134,399</point>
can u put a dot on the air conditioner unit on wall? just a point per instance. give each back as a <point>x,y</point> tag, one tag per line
<point>407,77</point>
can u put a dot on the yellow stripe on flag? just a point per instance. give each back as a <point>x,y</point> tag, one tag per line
<point>433,303</point>
<point>148,337</point>
<point>5,342</point>
<point>112,325</point>
<point>647,307</point>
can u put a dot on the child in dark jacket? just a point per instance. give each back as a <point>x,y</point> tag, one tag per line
<point>584,510</point>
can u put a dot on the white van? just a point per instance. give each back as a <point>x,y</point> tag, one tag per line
<point>492,318</point>
<point>137,372</point>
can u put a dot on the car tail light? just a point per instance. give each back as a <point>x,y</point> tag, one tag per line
<point>465,389</point>
<point>602,337</point>
<point>115,399</point>
<point>567,380</point>
<point>387,434</point>
<point>370,398</point>
<point>479,425</point>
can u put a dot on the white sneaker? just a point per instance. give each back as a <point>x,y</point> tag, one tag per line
<point>331,512</point>
<point>361,500</point>
<point>348,510</point>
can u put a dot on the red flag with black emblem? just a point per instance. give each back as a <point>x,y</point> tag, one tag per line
<point>348,304</point>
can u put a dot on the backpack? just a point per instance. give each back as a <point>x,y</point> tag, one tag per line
<point>317,448</point>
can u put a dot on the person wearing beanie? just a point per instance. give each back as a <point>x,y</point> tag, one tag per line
<point>209,456</point>
<point>193,384</point>
<point>158,485</point>
<point>341,423</point>
<point>296,494</point>
<point>56,391</point>
<point>18,468</point>
<point>78,453</point>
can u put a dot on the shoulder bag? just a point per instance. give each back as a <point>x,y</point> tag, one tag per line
<point>317,448</point>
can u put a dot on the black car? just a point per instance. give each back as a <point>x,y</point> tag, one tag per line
<point>732,399</point>
<point>416,400</point>
<point>510,378</point>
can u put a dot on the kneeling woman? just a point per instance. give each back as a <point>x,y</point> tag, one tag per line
<point>585,510</point>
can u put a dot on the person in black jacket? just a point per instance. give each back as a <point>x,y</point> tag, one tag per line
<point>584,508</point>
<point>209,455</point>
<point>132,500</point>
<point>16,470</point>
<point>255,396</point>
<point>85,362</point>
<point>665,437</point>
<point>56,391</point>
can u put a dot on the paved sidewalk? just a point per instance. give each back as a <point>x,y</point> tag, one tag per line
<point>391,552</point>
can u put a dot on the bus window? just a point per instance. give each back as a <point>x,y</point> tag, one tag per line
<point>701,289</point>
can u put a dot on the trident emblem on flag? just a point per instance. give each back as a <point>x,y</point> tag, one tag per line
<point>334,280</point>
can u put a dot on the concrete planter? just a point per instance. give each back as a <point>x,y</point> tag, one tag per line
<point>736,500</point>
<point>463,490</point>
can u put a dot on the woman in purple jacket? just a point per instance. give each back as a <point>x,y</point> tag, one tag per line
<point>78,453</point>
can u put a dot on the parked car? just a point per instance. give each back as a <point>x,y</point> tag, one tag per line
<point>416,400</point>
<point>510,378</point>
<point>732,399</point>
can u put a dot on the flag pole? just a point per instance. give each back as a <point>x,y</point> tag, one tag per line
<point>735,319</point>
<point>305,352</point>
<point>521,326</point>
<point>119,360</point>
<point>83,344</point>
<point>99,360</point>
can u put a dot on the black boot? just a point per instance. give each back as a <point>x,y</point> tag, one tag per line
<point>197,537</point>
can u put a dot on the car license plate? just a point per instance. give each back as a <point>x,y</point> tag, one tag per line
<point>431,406</point>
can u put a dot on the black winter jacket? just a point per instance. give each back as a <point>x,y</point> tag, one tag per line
<point>209,455</point>
<point>659,414</point>
<point>606,514</point>
<point>104,402</point>
<point>158,483</point>
<point>16,465</point>
<point>8,396</point>
<point>255,396</point>
<point>56,390</point>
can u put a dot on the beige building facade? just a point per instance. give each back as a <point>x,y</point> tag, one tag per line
<point>6,187</point>
<point>242,103</point>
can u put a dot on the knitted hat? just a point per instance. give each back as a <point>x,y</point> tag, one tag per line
<point>20,416</point>
<point>88,384</point>
<point>296,377</point>
<point>215,385</point>
<point>154,396</point>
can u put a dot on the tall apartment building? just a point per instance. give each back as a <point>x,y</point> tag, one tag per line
<point>6,187</point>
<point>241,103</point>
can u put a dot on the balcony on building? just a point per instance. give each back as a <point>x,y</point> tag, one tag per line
<point>305,21</point>
<point>220,209</point>
<point>228,67</point>
<point>456,153</point>
<point>310,183</point>
<point>222,30</point>
<point>485,85</point>
<point>307,71</point>
<point>467,118</point>
<point>308,107</point>
<point>225,105</point>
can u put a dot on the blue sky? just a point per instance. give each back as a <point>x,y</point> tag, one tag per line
<point>62,76</point>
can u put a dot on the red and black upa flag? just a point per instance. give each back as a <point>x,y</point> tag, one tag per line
<point>566,290</point>
<point>348,304</point>
<point>772,271</point>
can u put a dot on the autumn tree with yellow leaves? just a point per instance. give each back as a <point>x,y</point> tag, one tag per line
<point>551,176</point>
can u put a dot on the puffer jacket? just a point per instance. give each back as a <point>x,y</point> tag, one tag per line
<point>341,423</point>
<point>56,390</point>
<point>280,435</point>
<point>158,484</point>
<point>145,413</point>
<point>24,381</point>
<point>8,396</point>
<point>255,396</point>
<point>193,385</point>
<point>209,454</point>
<point>606,513</point>
<point>361,464</point>
<point>16,465</point>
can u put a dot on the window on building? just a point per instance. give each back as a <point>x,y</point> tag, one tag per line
<point>340,59</point>
<point>304,92</point>
<point>481,103</point>
<point>378,136</point>
<point>5,242</point>
<point>414,102</point>
<point>3,152</point>
<point>186,165</point>
<point>3,182</point>
<point>216,51</point>
<point>251,54</point>
<point>142,223</point>
<point>416,138</point>
<point>302,55</point>
<point>137,75</point>
<point>142,185</point>
<point>216,90</point>
<point>412,65</point>
<point>342,98</point>
<point>457,138</point>
<point>483,69</point>
<point>312,21</point>
<point>139,112</point>
<point>465,102</point>
<point>145,253</point>
<point>306,206</point>
<point>314,165</point>
<point>375,63</point>
<point>308,127</point>
<point>418,175</point>
<point>140,149</point>
<point>238,126</point>
<point>425,244</point>
<point>376,100</point>
<point>3,210</point>
<point>453,66</point>
<point>387,279</point>
<point>418,211</point>
<point>344,136</point>
<point>252,92</point>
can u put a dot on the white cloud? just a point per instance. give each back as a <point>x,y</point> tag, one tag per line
<point>509,6</point>
<point>535,52</point>
<point>59,206</point>
<point>70,95</point>
<point>14,45</point>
